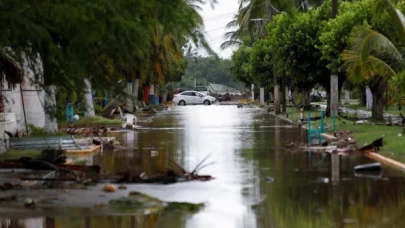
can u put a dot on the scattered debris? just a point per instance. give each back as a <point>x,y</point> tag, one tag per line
<point>168,176</point>
<point>122,187</point>
<point>109,188</point>
<point>269,179</point>
<point>324,180</point>
<point>29,203</point>
<point>374,146</point>
<point>376,175</point>
<point>368,167</point>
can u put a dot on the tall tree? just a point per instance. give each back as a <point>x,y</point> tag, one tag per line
<point>377,58</point>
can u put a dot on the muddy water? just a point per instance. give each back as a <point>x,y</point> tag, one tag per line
<point>258,183</point>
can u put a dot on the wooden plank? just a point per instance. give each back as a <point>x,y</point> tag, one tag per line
<point>385,160</point>
<point>89,150</point>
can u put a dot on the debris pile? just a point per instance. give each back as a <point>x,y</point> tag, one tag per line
<point>341,143</point>
<point>170,175</point>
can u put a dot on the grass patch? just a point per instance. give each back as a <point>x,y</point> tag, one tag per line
<point>95,121</point>
<point>40,132</point>
<point>394,145</point>
<point>16,154</point>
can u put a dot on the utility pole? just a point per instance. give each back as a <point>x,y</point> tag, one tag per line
<point>334,90</point>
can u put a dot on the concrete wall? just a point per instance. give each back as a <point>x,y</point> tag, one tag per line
<point>32,96</point>
<point>8,122</point>
<point>13,104</point>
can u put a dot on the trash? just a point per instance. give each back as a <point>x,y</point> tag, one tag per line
<point>38,164</point>
<point>376,175</point>
<point>29,203</point>
<point>324,180</point>
<point>368,167</point>
<point>374,146</point>
<point>122,187</point>
<point>154,153</point>
<point>269,179</point>
<point>170,175</point>
<point>109,188</point>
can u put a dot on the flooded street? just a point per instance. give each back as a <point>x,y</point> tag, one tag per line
<point>257,183</point>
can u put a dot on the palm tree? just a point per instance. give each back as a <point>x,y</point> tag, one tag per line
<point>374,57</point>
<point>165,58</point>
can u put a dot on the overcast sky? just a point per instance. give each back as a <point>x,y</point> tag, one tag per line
<point>215,20</point>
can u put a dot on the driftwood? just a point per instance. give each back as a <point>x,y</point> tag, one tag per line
<point>170,175</point>
<point>374,146</point>
<point>33,164</point>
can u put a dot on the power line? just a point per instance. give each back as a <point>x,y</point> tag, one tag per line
<point>218,17</point>
<point>216,29</point>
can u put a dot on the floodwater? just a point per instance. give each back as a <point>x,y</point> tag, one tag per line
<point>257,182</point>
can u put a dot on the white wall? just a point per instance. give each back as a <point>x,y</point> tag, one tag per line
<point>33,97</point>
<point>12,104</point>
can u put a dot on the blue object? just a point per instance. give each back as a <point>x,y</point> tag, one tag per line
<point>69,112</point>
<point>315,133</point>
<point>153,99</point>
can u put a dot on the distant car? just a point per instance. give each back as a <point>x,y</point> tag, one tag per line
<point>202,89</point>
<point>192,97</point>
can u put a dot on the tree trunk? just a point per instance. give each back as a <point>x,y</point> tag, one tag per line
<point>276,93</point>
<point>347,96</point>
<point>284,95</point>
<point>89,98</point>
<point>276,99</point>
<point>335,8</point>
<point>129,102</point>
<point>51,124</point>
<point>334,94</point>
<point>305,98</point>
<point>377,111</point>
<point>136,89</point>
<point>164,97</point>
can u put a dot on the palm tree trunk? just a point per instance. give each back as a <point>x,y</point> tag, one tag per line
<point>305,98</point>
<point>276,93</point>
<point>136,88</point>
<point>283,82</point>
<point>377,110</point>
<point>51,124</point>
<point>89,98</point>
<point>129,102</point>
<point>334,96</point>
<point>164,97</point>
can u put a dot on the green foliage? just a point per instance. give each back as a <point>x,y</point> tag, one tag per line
<point>39,132</point>
<point>95,121</point>
<point>240,65</point>
<point>63,42</point>
<point>206,70</point>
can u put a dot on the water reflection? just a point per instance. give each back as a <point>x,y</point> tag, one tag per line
<point>306,189</point>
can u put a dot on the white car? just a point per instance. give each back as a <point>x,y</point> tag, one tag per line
<point>192,97</point>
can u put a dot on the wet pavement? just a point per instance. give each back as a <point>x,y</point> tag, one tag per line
<point>257,183</point>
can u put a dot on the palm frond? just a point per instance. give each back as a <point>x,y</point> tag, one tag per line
<point>359,69</point>
<point>230,43</point>
<point>369,42</point>
<point>398,19</point>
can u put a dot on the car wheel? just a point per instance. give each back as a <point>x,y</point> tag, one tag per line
<point>182,103</point>
<point>207,102</point>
